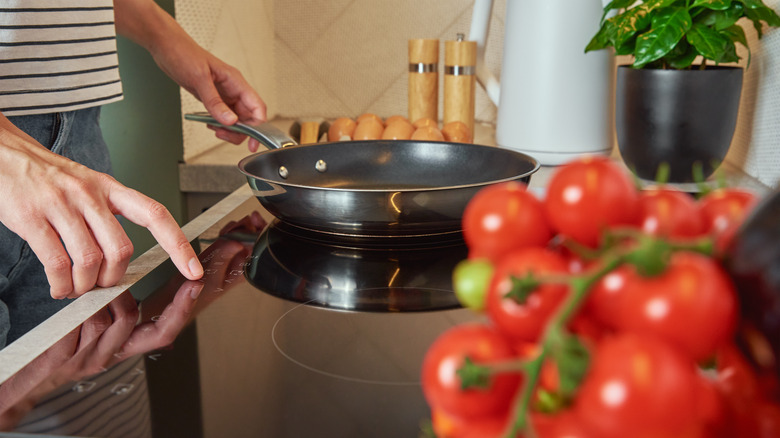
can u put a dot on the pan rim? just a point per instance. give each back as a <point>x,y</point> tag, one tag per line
<point>406,189</point>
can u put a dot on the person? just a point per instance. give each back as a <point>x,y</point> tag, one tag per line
<point>59,236</point>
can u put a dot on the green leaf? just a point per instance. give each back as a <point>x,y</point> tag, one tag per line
<point>722,19</point>
<point>709,42</point>
<point>616,4</point>
<point>669,27</point>
<point>572,360</point>
<point>737,35</point>
<point>753,4</point>
<point>626,25</point>
<point>763,14</point>
<point>730,54</point>
<point>627,48</point>
<point>682,56</point>
<point>757,12</point>
<point>601,39</point>
<point>718,5</point>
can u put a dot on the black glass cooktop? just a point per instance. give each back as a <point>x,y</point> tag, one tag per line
<point>289,334</point>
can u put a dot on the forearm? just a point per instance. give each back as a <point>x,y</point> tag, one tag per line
<point>147,24</point>
<point>221,87</point>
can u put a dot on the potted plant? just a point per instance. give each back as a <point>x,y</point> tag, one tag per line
<point>676,104</point>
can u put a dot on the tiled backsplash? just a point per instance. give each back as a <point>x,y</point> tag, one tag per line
<point>311,58</point>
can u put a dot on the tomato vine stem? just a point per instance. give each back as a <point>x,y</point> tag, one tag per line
<point>556,329</point>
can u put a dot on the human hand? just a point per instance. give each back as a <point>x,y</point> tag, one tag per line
<point>85,351</point>
<point>221,87</point>
<point>252,223</point>
<point>66,213</point>
<point>113,334</point>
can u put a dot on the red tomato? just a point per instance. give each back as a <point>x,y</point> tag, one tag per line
<point>501,218</point>
<point>767,420</point>
<point>527,319</point>
<point>668,212</point>
<point>606,298</point>
<point>736,379</point>
<point>723,208</point>
<point>587,195</point>
<point>587,328</point>
<point>448,426</point>
<point>692,304</point>
<point>723,211</point>
<point>742,393</point>
<point>564,424</point>
<point>712,411</point>
<point>638,386</point>
<point>442,386</point>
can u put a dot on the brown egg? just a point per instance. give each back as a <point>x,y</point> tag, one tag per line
<point>368,129</point>
<point>456,132</point>
<point>400,129</point>
<point>427,133</point>
<point>341,129</point>
<point>368,116</point>
<point>395,118</point>
<point>425,121</point>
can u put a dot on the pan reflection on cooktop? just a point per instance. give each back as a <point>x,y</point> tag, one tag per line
<point>369,275</point>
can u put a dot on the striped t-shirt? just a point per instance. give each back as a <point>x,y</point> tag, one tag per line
<point>57,55</point>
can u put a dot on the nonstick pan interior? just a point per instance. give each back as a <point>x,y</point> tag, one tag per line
<point>388,165</point>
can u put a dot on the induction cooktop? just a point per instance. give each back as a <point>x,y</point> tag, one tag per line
<point>289,334</point>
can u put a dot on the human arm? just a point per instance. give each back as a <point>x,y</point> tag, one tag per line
<point>222,88</point>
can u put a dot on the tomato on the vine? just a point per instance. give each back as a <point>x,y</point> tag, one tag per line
<point>523,314</point>
<point>725,207</point>
<point>603,308</point>
<point>449,426</point>
<point>501,218</point>
<point>691,304</point>
<point>481,344</point>
<point>588,195</point>
<point>564,424</point>
<point>668,212</point>
<point>723,211</point>
<point>471,280</point>
<point>638,386</point>
<point>711,410</point>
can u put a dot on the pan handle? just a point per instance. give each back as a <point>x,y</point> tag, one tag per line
<point>267,134</point>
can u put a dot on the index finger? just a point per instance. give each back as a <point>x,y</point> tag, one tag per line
<point>152,215</point>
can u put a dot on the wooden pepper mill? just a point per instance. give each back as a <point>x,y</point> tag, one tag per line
<point>460,60</point>
<point>423,79</point>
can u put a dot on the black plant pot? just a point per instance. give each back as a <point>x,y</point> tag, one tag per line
<point>679,117</point>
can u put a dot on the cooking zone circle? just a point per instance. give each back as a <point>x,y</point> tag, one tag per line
<point>370,348</point>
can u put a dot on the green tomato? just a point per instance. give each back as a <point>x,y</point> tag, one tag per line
<point>471,279</point>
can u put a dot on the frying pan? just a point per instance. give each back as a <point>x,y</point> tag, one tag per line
<point>376,188</point>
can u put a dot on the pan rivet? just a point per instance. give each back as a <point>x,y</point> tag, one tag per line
<point>321,166</point>
<point>283,172</point>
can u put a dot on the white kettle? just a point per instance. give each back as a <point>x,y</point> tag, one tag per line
<point>554,100</point>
